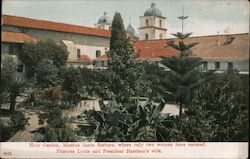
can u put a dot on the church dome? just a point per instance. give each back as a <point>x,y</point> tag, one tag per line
<point>153,11</point>
<point>105,19</point>
<point>130,29</point>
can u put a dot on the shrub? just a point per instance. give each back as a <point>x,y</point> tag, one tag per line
<point>15,121</point>
<point>18,120</point>
<point>33,53</point>
<point>58,129</point>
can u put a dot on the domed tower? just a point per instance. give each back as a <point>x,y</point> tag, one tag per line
<point>104,22</point>
<point>130,29</point>
<point>152,24</point>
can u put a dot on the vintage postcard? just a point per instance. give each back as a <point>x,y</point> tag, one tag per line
<point>124,79</point>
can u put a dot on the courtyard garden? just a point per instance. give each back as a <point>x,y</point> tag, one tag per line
<point>131,100</point>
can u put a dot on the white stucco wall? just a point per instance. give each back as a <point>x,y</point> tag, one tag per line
<point>152,21</point>
<point>90,50</point>
<point>158,32</point>
<point>153,29</point>
<point>152,33</point>
<point>102,26</point>
<point>240,65</point>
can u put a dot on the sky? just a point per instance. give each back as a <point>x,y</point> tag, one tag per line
<point>206,17</point>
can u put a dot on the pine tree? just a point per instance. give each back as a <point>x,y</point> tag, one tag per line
<point>184,76</point>
<point>127,74</point>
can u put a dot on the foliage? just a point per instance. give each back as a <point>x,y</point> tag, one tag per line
<point>33,53</point>
<point>7,70</point>
<point>221,107</point>
<point>15,121</point>
<point>184,76</point>
<point>58,129</point>
<point>54,94</point>
<point>16,87</point>
<point>47,74</point>
<point>181,46</point>
<point>71,79</point>
<point>149,123</point>
<point>127,74</point>
<point>118,34</point>
<point>95,83</point>
<point>13,84</point>
<point>153,74</point>
<point>72,83</point>
<point>18,120</point>
<point>132,122</point>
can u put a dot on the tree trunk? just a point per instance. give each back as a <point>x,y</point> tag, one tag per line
<point>12,103</point>
<point>180,112</point>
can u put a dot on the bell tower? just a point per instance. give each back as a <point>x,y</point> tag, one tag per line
<point>152,24</point>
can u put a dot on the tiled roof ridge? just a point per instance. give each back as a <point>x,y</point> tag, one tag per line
<point>54,22</point>
<point>200,36</point>
<point>108,32</point>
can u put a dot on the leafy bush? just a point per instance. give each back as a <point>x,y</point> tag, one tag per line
<point>47,74</point>
<point>220,111</point>
<point>55,94</point>
<point>18,120</point>
<point>58,129</point>
<point>33,53</point>
<point>15,121</point>
<point>7,70</point>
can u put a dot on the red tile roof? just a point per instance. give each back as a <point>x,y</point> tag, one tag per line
<point>213,48</point>
<point>14,37</point>
<point>83,58</point>
<point>150,49</point>
<point>207,48</point>
<point>54,26</point>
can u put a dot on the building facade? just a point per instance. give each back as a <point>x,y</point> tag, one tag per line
<point>104,22</point>
<point>152,24</point>
<point>217,51</point>
<point>79,40</point>
<point>88,46</point>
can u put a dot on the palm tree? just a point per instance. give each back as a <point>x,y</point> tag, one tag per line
<point>15,87</point>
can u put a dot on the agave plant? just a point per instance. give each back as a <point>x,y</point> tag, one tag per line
<point>149,123</point>
<point>131,121</point>
<point>109,122</point>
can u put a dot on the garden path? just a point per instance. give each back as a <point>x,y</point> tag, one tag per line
<point>26,135</point>
<point>33,119</point>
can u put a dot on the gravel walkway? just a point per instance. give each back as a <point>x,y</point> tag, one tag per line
<point>26,135</point>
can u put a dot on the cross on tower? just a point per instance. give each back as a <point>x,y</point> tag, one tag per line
<point>182,19</point>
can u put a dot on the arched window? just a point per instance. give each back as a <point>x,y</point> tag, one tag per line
<point>146,22</point>
<point>146,36</point>
<point>160,36</point>
<point>160,23</point>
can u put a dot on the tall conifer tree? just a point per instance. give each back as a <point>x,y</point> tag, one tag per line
<point>127,74</point>
<point>184,76</point>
